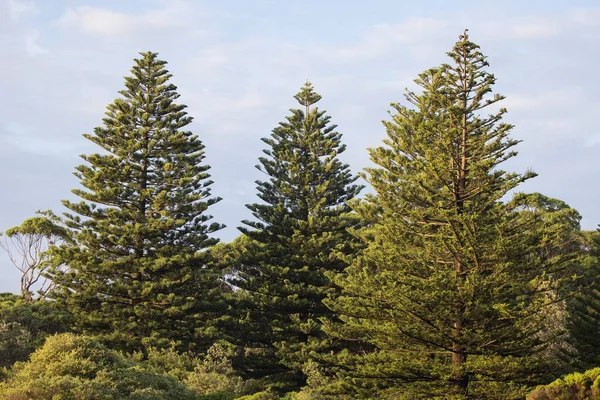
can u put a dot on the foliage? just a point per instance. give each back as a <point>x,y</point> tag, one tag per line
<point>79,367</point>
<point>561,244</point>
<point>215,374</point>
<point>298,238</point>
<point>227,255</point>
<point>211,373</point>
<point>583,318</point>
<point>266,395</point>
<point>27,247</point>
<point>453,285</point>
<point>574,386</point>
<point>16,343</point>
<point>24,326</point>
<point>438,285</point>
<point>137,276</point>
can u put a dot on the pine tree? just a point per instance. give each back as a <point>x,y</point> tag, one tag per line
<point>583,319</point>
<point>451,287</point>
<point>299,237</point>
<point>137,275</point>
<point>561,243</point>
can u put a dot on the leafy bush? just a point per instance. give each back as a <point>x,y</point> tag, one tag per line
<point>211,374</point>
<point>16,343</point>
<point>24,326</point>
<point>267,395</point>
<point>79,367</point>
<point>574,386</point>
<point>218,396</point>
<point>215,373</point>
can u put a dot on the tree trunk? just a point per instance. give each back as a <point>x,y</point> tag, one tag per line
<point>459,353</point>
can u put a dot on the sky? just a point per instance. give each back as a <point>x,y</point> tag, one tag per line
<point>238,64</point>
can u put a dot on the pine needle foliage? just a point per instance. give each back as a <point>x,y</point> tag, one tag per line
<point>299,236</point>
<point>137,275</point>
<point>451,287</point>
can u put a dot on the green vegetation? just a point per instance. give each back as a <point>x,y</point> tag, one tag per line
<point>79,367</point>
<point>27,248</point>
<point>444,282</point>
<point>448,290</point>
<point>300,237</point>
<point>583,316</point>
<point>212,373</point>
<point>574,386</point>
<point>25,326</point>
<point>137,276</point>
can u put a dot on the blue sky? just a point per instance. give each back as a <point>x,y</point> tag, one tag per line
<point>238,64</point>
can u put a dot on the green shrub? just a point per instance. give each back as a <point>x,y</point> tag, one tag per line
<point>25,326</point>
<point>211,374</point>
<point>267,395</point>
<point>218,396</point>
<point>215,374</point>
<point>574,386</point>
<point>79,367</point>
<point>16,343</point>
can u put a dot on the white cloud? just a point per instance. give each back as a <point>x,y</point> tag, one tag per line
<point>249,100</point>
<point>585,16</point>
<point>382,38</point>
<point>32,47</point>
<point>103,22</point>
<point>593,141</point>
<point>560,98</point>
<point>14,9</point>
<point>543,26</point>
<point>18,137</point>
<point>535,29</point>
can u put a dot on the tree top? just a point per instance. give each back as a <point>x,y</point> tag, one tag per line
<point>307,95</point>
<point>37,225</point>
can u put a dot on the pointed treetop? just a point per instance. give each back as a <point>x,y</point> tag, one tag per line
<point>149,58</point>
<point>307,96</point>
<point>148,54</point>
<point>466,54</point>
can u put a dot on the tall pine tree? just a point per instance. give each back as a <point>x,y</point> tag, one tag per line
<point>137,275</point>
<point>300,236</point>
<point>451,288</point>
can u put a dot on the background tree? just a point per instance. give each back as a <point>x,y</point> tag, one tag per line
<point>24,326</point>
<point>27,248</point>
<point>451,288</point>
<point>137,274</point>
<point>562,243</point>
<point>300,236</point>
<point>583,317</point>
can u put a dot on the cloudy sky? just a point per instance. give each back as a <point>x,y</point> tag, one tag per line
<point>238,63</point>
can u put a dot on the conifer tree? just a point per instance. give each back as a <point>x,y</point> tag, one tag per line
<point>137,275</point>
<point>561,243</point>
<point>299,237</point>
<point>583,319</point>
<point>451,287</point>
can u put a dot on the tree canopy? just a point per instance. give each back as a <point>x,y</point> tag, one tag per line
<point>137,273</point>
